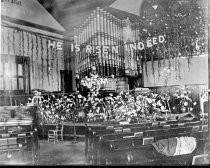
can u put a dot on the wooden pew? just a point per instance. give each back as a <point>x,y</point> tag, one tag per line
<point>147,155</point>
<point>112,133</point>
<point>93,134</point>
<point>136,141</point>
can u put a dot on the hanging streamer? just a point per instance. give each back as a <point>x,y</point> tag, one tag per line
<point>51,65</point>
<point>2,35</point>
<point>8,41</point>
<point>42,59</point>
<point>159,61</point>
<point>20,43</point>
<point>23,42</point>
<point>37,49</point>
<point>37,61</point>
<point>48,78</point>
<point>28,47</point>
<point>13,41</point>
<point>56,56</point>
<point>32,53</point>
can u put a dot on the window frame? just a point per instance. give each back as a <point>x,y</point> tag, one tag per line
<point>17,59</point>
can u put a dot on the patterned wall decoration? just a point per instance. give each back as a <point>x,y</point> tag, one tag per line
<point>45,62</point>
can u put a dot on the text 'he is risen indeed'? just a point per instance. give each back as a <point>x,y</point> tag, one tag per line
<point>98,49</point>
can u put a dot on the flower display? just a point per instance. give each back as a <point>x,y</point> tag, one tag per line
<point>94,83</point>
<point>54,109</point>
<point>143,106</point>
<point>183,101</point>
<point>125,106</point>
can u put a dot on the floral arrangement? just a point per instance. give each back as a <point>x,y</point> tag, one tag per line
<point>94,83</point>
<point>123,107</point>
<point>183,101</point>
<point>54,110</point>
<point>126,106</point>
<point>144,106</point>
<point>91,108</point>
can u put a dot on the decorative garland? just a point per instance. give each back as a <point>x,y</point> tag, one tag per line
<point>20,42</point>
<point>2,34</point>
<point>169,53</point>
<point>37,59</point>
<point>145,60</point>
<point>52,59</point>
<point>179,69</point>
<point>37,50</point>
<point>22,33</point>
<point>152,59</point>
<point>32,53</point>
<point>48,61</point>
<point>13,40</point>
<point>56,56</point>
<point>8,40</point>
<point>159,61</point>
<point>42,59</point>
<point>28,45</point>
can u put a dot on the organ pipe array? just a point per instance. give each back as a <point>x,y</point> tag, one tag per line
<point>103,29</point>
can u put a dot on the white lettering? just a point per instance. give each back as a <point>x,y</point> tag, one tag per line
<point>115,49</point>
<point>72,47</point>
<point>77,47</point>
<point>51,44</point>
<point>59,46</point>
<point>140,46</point>
<point>98,49</point>
<point>161,39</point>
<point>154,40</point>
<point>105,49</point>
<point>149,43</point>
<point>133,46</point>
<point>88,48</point>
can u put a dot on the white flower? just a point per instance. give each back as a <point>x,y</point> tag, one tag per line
<point>185,103</point>
<point>79,96</point>
<point>195,103</point>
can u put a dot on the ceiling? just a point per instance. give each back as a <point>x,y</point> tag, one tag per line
<point>72,13</point>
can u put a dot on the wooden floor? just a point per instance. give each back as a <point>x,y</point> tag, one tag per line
<point>62,153</point>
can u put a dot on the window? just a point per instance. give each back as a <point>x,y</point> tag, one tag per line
<point>14,74</point>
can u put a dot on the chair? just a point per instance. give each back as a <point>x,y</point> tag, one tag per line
<point>57,134</point>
